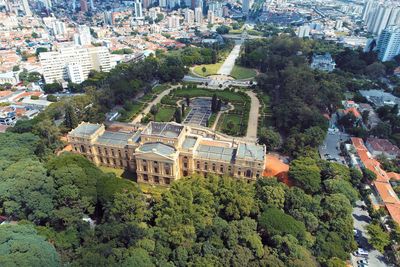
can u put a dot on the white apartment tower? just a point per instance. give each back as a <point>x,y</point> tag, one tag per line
<point>189,16</point>
<point>74,63</point>
<point>138,9</point>
<point>303,31</point>
<point>378,16</point>
<point>83,37</point>
<point>198,15</point>
<point>389,43</point>
<point>173,22</point>
<point>27,9</point>
<point>210,17</point>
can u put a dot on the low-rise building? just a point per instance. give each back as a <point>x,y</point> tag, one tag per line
<point>323,62</point>
<point>163,152</point>
<point>383,147</point>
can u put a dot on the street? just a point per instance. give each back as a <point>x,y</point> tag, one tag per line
<point>361,220</point>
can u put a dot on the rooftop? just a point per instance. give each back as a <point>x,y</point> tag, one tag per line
<point>250,151</point>
<point>114,138</point>
<point>164,129</point>
<point>85,129</point>
<point>383,145</point>
<point>159,148</point>
<point>189,142</point>
<point>215,152</point>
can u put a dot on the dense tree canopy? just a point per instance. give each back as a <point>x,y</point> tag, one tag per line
<point>21,246</point>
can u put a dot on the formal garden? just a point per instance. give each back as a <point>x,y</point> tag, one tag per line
<point>232,122</point>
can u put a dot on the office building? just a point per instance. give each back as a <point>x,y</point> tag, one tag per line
<point>74,63</point>
<point>389,43</point>
<point>160,153</point>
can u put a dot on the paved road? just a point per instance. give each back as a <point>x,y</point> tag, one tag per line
<point>330,149</point>
<point>252,126</point>
<point>155,101</point>
<point>361,220</point>
<point>229,62</point>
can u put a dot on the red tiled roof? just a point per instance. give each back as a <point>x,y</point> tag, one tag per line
<point>386,193</point>
<point>354,111</point>
<point>382,185</point>
<point>383,145</point>
<point>394,211</point>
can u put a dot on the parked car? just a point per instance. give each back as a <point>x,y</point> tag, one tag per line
<point>362,263</point>
<point>361,253</point>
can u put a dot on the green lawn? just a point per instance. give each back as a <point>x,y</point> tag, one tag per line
<point>120,173</point>
<point>129,111</point>
<point>160,88</point>
<point>243,73</point>
<point>211,69</point>
<point>165,114</point>
<point>225,127</point>
<point>239,31</point>
<point>198,92</point>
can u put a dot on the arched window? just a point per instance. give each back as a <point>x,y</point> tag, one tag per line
<point>248,173</point>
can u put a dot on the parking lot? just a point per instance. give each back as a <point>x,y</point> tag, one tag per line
<point>361,220</point>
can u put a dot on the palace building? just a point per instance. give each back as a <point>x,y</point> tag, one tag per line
<point>163,152</point>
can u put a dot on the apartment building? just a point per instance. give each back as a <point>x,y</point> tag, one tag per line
<point>163,152</point>
<point>74,63</point>
<point>389,43</point>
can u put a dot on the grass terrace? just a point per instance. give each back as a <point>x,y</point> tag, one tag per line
<point>165,114</point>
<point>211,69</point>
<point>242,73</point>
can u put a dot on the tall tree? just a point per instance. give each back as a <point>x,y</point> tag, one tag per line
<point>70,120</point>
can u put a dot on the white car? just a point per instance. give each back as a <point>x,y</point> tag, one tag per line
<point>361,253</point>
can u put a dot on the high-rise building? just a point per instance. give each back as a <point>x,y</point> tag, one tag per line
<point>303,31</point>
<point>163,3</point>
<point>389,43</point>
<point>108,18</point>
<point>216,7</point>
<point>173,22</point>
<point>84,6</point>
<point>83,37</point>
<point>379,16</point>
<point>58,27</point>
<point>27,9</point>
<point>368,9</point>
<point>198,15</point>
<point>138,9</point>
<point>74,63</point>
<point>189,16</point>
<point>47,3</point>
<point>246,5</point>
<point>210,17</point>
<point>146,4</point>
